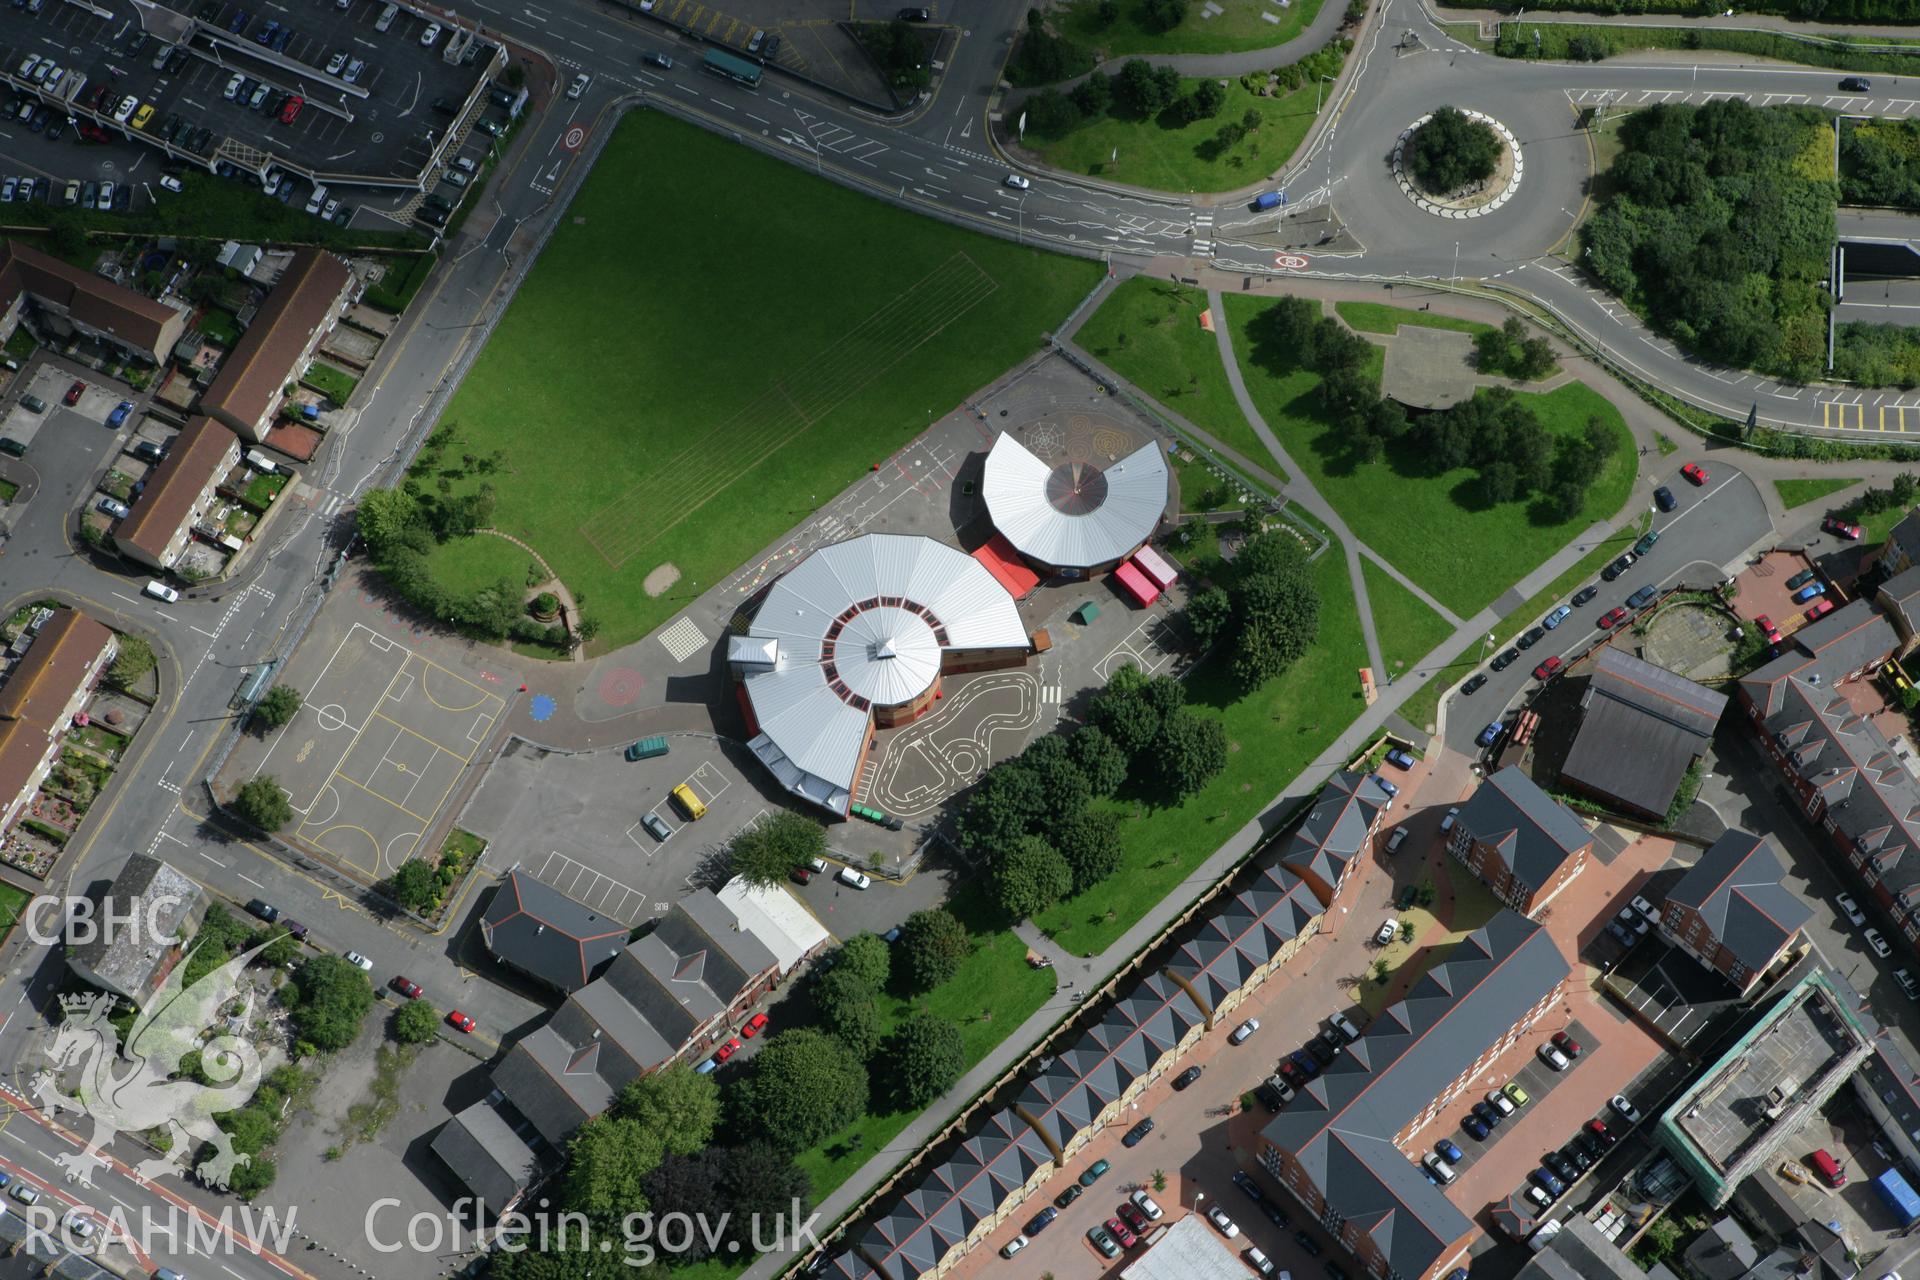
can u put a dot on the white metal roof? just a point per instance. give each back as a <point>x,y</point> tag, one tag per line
<point>1075,515</point>
<point>774,916</point>
<point>858,624</point>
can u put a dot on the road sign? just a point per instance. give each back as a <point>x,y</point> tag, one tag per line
<point>1289,262</point>
<point>574,138</point>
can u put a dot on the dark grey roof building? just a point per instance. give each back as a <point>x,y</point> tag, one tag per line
<point>1579,1252</point>
<point>1522,843</point>
<point>1841,645</point>
<point>1339,1136</point>
<point>1731,912</point>
<point>1900,597</point>
<point>1641,727</point>
<point>495,1162</point>
<point>1814,1252</point>
<point>1336,832</point>
<point>546,935</point>
<point>1242,942</point>
<point>125,958</point>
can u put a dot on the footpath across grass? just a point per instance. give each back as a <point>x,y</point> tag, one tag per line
<point>732,391</point>
<point>1434,526</point>
<point>1407,628</point>
<point>1382,317</point>
<point>1798,493</point>
<point>1272,734</point>
<point>1163,155</point>
<point>1148,331</point>
<point>1244,24</point>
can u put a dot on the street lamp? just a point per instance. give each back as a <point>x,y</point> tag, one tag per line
<point>1456,263</point>
<point>1316,93</point>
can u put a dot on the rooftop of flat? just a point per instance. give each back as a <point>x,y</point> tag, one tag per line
<point>1794,1046</point>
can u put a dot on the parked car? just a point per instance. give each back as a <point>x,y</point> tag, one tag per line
<point>1042,1220</point>
<point>1244,1180</point>
<point>1855,916</point>
<point>1530,637</point>
<point>1499,1101</point>
<point>1840,528</point>
<point>1307,1243</point>
<point>1013,1246</point>
<point>1473,683</point>
<point>1557,617</point>
<point>1519,1095</point>
<point>1695,473</point>
<point>856,879</point>
<point>1136,1221</point>
<point>1399,759</point>
<point>1475,1126</point>
<point>1624,1109</point>
<point>1808,592</point>
<point>1218,1217</point>
<point>1767,629</point>
<point>1186,1078</point>
<point>1643,597</point>
<point>1821,608</point>
<point>1553,1057</point>
<point>1503,660</point>
<point>1566,1044</point>
<point>1548,669</point>
<point>1598,1128</point>
<point>359,962</point>
<point>1664,499</point>
<point>1878,942</point>
<point>1384,785</point>
<point>1856,84</point>
<point>1488,1116</point>
<point>1618,567</point>
<point>657,827</point>
<point>1646,542</point>
<point>1801,579</point>
<point>1563,1168</point>
<point>1102,1240</point>
<point>1344,1025</point>
<point>1308,1065</point>
<point>464,1021</point>
<point>755,1025</point>
<point>1387,932</point>
<point>74,393</point>
<point>1490,735</point>
<point>161,591</point>
<point>1098,1169</point>
<point>1448,1151</point>
<point>406,987</point>
<point>1245,1029</point>
<point>1136,1135</point>
<point>1613,616</point>
<point>1073,1192</point>
<point>264,910</point>
<point>1451,816</point>
<point>1907,984</point>
<point>1583,595</point>
<point>1547,1181</point>
<point>1398,838</point>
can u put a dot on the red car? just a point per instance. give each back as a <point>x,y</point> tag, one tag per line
<point>1835,525</point>
<point>1119,1231</point>
<point>1767,629</point>
<point>727,1050</point>
<point>406,987</point>
<point>291,112</point>
<point>1613,615</point>
<point>1291,1070</point>
<point>1566,1044</point>
<point>459,1020</point>
<point>1548,669</point>
<point>1694,472</point>
<point>1598,1128</point>
<point>801,875</point>
<point>755,1025</point>
<point>1135,1219</point>
<point>73,392</point>
<point>1821,608</point>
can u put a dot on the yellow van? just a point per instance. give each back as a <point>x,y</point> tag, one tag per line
<point>689,803</point>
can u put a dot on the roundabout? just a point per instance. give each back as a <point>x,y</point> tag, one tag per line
<point>1475,200</point>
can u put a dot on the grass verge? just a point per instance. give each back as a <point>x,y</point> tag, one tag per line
<point>1434,525</point>
<point>1407,627</point>
<point>1163,154</point>
<point>1243,25</point>
<point>766,393</point>
<point>1272,733</point>
<point>466,565</point>
<point>1798,493</point>
<point>1148,331</point>
<point>1810,49</point>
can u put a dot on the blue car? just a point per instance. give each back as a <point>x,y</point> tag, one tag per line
<point>1547,1182</point>
<point>1640,597</point>
<point>1042,1220</point>
<point>1384,785</point>
<point>119,415</point>
<point>1488,1116</point>
<point>1809,591</point>
<point>1306,1062</point>
<point>1399,759</point>
<point>1448,1152</point>
<point>1475,1126</point>
<point>1490,735</point>
<point>1557,617</point>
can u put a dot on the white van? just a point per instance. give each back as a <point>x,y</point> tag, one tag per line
<point>318,200</point>
<point>1439,1168</point>
<point>387,15</point>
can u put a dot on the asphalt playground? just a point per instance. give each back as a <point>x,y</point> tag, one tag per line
<point>382,736</point>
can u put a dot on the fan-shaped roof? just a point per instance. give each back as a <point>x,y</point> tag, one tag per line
<point>1074,515</point>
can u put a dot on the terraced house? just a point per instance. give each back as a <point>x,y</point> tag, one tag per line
<point>1522,843</point>
<point>45,688</point>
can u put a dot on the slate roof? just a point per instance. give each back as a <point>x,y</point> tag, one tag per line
<point>37,691</point>
<point>195,460</point>
<point>1244,935</point>
<point>1580,1252</point>
<point>1340,1126</point>
<point>1845,640</point>
<point>262,362</point>
<point>541,931</point>
<point>128,959</point>
<point>492,1160</point>
<point>1334,832</point>
<point>1903,540</point>
<point>1641,728</point>
<point>1900,595</point>
<point>1735,886</point>
<point>554,1083</point>
<point>1533,832</point>
<point>101,305</point>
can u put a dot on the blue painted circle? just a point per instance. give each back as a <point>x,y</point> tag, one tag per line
<point>542,708</point>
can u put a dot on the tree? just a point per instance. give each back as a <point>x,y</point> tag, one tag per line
<point>1209,614</point>
<point>69,237</point>
<point>331,997</point>
<point>133,660</point>
<point>1107,12</point>
<point>1029,876</point>
<point>1100,759</point>
<point>1005,804</point>
<point>1277,607</point>
<point>263,803</point>
<point>415,1022</point>
<point>277,707</point>
<point>1162,15</point>
<point>693,1185</point>
<point>679,1105</point>
<point>1139,92</point>
<point>1535,359</point>
<point>1093,95</point>
<point>278,948</point>
<point>763,1186</point>
<point>805,1084</point>
<point>1051,113</point>
<point>415,886</point>
<point>1207,99</point>
<point>386,518</point>
<point>1064,789</point>
<point>607,1165</point>
<point>765,853</point>
<point>933,942</point>
<point>867,956</point>
<point>1191,750</point>
<point>1451,150</point>
<point>847,1009</point>
<point>1090,842</point>
<point>927,1055</point>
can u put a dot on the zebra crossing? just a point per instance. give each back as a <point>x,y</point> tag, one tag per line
<point>1203,233</point>
<point>1894,108</point>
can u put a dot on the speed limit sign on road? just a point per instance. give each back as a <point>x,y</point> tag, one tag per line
<point>1289,262</point>
<point>573,138</point>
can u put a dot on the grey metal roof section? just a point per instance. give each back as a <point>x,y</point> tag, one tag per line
<point>1245,934</point>
<point>625,1045</point>
<point>1340,1126</point>
<point>1580,1252</point>
<point>1845,640</point>
<point>1642,727</point>
<point>1075,515</point>
<point>1736,888</point>
<point>484,1152</point>
<point>1334,832</point>
<point>125,958</point>
<point>1189,1251</point>
<point>542,932</point>
<point>1534,832</point>
<point>859,623</point>
<point>1901,595</point>
<point>535,1077</point>
<point>701,915</point>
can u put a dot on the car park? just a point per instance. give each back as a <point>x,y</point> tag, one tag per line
<point>1186,1078</point>
<point>161,591</point>
<point>1841,529</point>
<point>1548,669</point>
<point>1531,636</point>
<point>1695,473</point>
<point>1664,499</point>
<point>1473,683</point>
<point>1245,1029</point>
<point>1502,661</point>
<point>1612,617</point>
<point>1557,617</point>
<point>1136,1135</point>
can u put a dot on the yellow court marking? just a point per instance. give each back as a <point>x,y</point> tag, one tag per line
<point>382,799</point>
<point>317,839</point>
<point>415,733</point>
